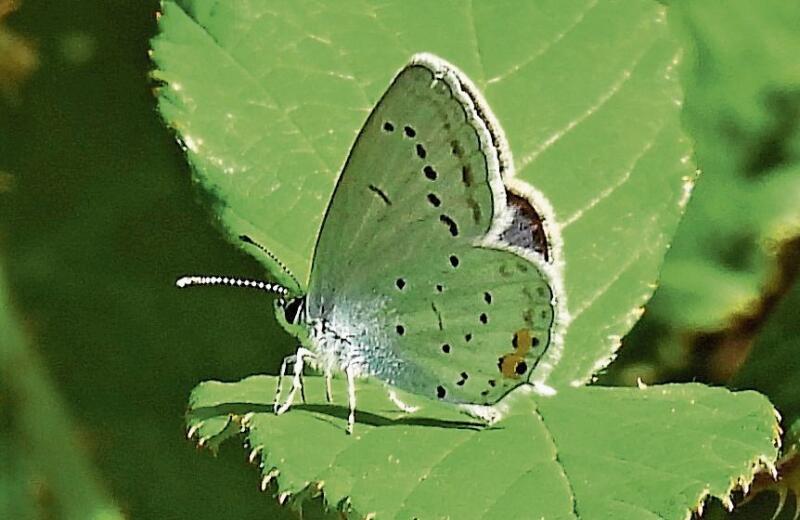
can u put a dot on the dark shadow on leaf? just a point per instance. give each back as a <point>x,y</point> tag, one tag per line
<point>334,411</point>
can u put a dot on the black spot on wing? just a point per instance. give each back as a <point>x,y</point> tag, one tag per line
<point>430,173</point>
<point>450,223</point>
<point>438,316</point>
<point>380,193</point>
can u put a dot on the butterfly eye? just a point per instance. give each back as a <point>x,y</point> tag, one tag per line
<point>293,310</point>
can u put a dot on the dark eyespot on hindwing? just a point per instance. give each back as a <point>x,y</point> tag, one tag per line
<point>487,297</point>
<point>450,223</point>
<point>430,173</point>
<point>512,365</point>
<point>388,126</point>
<point>440,392</point>
<point>439,287</point>
<point>467,337</point>
<point>400,330</point>
<point>484,318</point>
<point>454,260</point>
<point>446,348</point>
<point>410,132</point>
<point>421,153</point>
<point>400,283</point>
<point>434,200</point>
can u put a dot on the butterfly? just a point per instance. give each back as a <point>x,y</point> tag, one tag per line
<point>429,273</point>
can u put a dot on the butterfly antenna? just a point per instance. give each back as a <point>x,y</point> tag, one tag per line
<point>269,287</point>
<point>246,239</point>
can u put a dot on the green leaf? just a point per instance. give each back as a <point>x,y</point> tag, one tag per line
<point>742,108</point>
<point>589,452</point>
<point>588,96</point>
<point>267,100</point>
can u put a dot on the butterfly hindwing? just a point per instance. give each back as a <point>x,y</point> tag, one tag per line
<point>398,272</point>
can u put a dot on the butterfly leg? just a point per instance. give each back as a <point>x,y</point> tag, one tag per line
<point>351,394</point>
<point>298,360</point>
<point>277,399</point>
<point>328,391</point>
<point>404,407</point>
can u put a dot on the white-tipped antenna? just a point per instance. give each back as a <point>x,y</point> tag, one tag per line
<point>272,288</point>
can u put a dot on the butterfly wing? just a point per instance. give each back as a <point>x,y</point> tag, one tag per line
<point>400,275</point>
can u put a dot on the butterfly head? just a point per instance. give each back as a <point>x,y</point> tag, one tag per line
<point>291,314</point>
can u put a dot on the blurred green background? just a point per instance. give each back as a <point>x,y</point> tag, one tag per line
<point>98,217</point>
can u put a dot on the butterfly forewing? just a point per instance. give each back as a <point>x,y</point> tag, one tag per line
<point>397,272</point>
